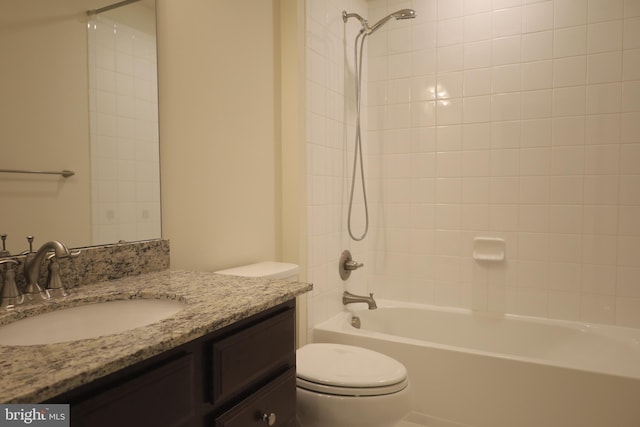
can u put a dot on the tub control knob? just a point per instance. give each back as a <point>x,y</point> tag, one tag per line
<point>352,265</point>
<point>269,418</point>
<point>347,265</point>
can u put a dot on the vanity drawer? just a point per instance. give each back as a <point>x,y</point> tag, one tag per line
<point>253,356</point>
<point>162,396</point>
<point>277,400</point>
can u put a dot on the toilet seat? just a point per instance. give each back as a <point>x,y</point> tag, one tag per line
<point>351,391</point>
<point>348,371</point>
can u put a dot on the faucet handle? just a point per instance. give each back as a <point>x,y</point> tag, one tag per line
<point>54,282</point>
<point>11,295</point>
<point>10,262</point>
<point>30,250</point>
<point>4,251</point>
<point>352,265</point>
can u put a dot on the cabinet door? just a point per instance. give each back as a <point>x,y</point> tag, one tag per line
<point>253,356</point>
<point>272,405</point>
<point>160,397</point>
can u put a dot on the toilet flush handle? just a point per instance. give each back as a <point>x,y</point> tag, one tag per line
<point>269,418</point>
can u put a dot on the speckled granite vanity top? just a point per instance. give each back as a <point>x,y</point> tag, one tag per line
<point>31,374</point>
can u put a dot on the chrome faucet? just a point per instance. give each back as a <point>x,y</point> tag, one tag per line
<point>348,298</point>
<point>32,267</point>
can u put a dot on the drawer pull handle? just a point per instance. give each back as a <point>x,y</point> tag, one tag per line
<point>269,418</point>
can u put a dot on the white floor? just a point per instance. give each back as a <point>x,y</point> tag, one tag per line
<point>420,420</point>
<point>415,420</point>
<point>409,424</point>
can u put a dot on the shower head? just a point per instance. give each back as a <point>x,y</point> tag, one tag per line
<point>400,14</point>
<point>404,14</point>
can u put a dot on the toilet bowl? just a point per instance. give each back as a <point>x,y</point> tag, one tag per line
<point>345,386</point>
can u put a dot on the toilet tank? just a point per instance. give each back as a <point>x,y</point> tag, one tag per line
<point>266,270</point>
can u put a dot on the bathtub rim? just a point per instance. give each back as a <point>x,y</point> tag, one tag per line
<point>340,323</point>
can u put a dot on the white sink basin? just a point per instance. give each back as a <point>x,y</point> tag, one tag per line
<point>87,321</point>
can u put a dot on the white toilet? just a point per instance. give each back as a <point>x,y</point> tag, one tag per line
<point>346,386</point>
<point>341,385</point>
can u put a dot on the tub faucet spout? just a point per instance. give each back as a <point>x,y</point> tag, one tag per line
<point>348,298</point>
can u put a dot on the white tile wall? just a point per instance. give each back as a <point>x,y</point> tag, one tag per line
<point>506,118</point>
<point>124,132</point>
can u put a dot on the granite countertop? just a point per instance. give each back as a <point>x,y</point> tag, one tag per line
<point>31,374</point>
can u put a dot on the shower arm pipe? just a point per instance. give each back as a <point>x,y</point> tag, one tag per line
<point>110,7</point>
<point>346,16</point>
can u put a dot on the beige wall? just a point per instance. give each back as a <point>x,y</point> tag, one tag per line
<point>219,137</point>
<point>231,150</point>
<point>293,153</point>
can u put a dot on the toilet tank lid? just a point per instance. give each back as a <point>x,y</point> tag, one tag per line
<point>266,269</point>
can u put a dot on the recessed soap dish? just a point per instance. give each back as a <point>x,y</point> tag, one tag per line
<point>488,249</point>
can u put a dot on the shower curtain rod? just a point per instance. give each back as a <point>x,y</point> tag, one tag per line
<point>111,6</point>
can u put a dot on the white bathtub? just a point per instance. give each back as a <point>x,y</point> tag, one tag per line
<point>485,370</point>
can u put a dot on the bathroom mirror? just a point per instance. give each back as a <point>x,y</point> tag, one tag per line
<point>78,93</point>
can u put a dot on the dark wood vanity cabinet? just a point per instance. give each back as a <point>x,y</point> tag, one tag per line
<point>240,376</point>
